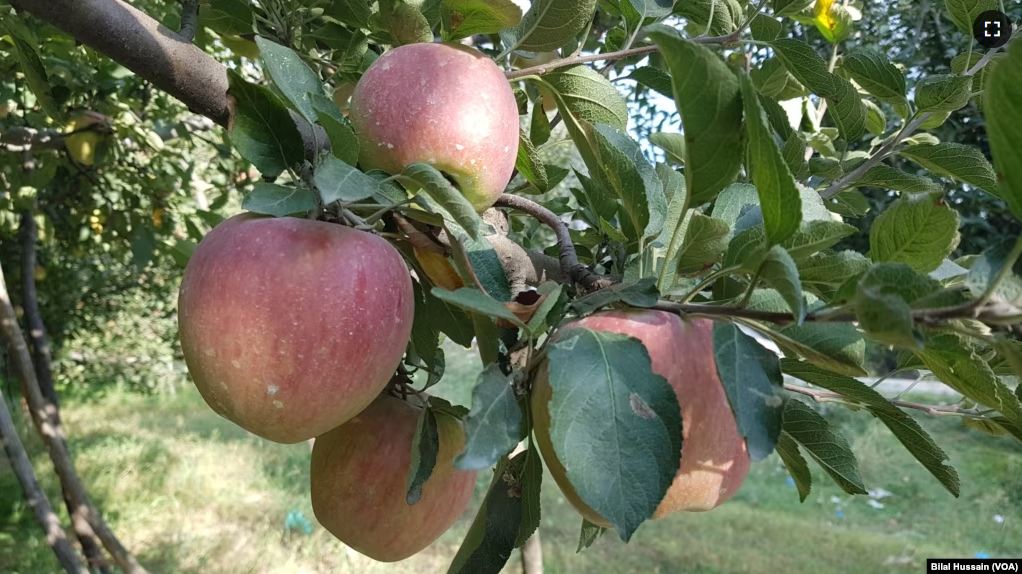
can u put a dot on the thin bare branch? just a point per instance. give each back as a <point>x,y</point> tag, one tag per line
<point>935,410</point>
<point>46,418</point>
<point>570,266</point>
<point>189,19</point>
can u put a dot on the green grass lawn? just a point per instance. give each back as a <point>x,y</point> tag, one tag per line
<point>191,493</point>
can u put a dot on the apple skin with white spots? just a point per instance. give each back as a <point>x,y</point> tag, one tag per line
<point>714,458</point>
<point>359,482</point>
<point>290,327</point>
<point>447,105</point>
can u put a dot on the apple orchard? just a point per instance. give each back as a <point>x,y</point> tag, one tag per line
<point>407,196</point>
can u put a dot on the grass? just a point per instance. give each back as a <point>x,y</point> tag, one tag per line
<point>191,493</point>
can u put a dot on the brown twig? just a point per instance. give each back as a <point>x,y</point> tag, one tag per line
<point>47,421</point>
<point>935,410</point>
<point>189,19</point>
<point>570,266</point>
<point>619,55</point>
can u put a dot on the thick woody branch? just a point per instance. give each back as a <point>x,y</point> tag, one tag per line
<point>37,501</point>
<point>141,44</point>
<point>20,139</point>
<point>47,422</point>
<point>570,266</point>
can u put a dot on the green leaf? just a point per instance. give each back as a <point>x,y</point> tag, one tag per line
<point>988,266</point>
<point>957,365</point>
<point>746,249</point>
<point>727,14</point>
<point>675,224</point>
<point>343,141</point>
<point>827,446</point>
<point>405,22</point>
<point>794,154</point>
<point>752,380</point>
<point>706,239</point>
<point>1003,106</point>
<point>532,483</point>
<point>448,319</point>
<point>652,8</point>
<point>672,144</point>
<point>773,80</point>
<point>493,425</point>
<point>529,164</point>
<point>626,173</point>
<point>278,201</point>
<point>642,293</point>
<point>964,12</point>
<point>653,78</point>
<point>539,130</point>
<point>227,17</point>
<point>430,180</point>
<point>292,76</point>
<point>779,198</point>
<point>815,236</point>
<point>779,271</point>
<point>832,268</point>
<point>957,161</point>
<point>876,120</point>
<point>847,110</point>
<point>465,18</point>
<point>143,244</point>
<point>875,74</point>
<point>606,399</point>
<point>261,128</point>
<point>838,348</point>
<point>548,25</point>
<point>919,230</point>
<point>797,467</point>
<point>887,318</point>
<point>765,29</point>
<point>478,302</point>
<point>339,181</point>
<point>943,92</point>
<point>904,427</point>
<point>32,66</point>
<point>790,7</point>
<point>712,119</point>
<point>887,177</point>
<point>589,96</point>
<point>353,12</point>
<point>589,534</point>
<point>425,447</point>
<point>494,531</point>
<point>808,67</point>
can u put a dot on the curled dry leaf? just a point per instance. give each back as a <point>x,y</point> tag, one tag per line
<point>524,307</point>
<point>431,255</point>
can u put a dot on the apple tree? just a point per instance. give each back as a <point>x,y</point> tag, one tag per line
<point>412,188</point>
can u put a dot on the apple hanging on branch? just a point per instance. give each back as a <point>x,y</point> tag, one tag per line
<point>446,105</point>
<point>291,327</point>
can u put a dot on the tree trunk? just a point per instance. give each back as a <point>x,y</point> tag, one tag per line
<point>34,495</point>
<point>532,555</point>
<point>43,361</point>
<point>47,422</point>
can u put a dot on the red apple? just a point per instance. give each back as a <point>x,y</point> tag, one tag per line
<point>714,459</point>
<point>289,326</point>
<point>359,481</point>
<point>447,105</point>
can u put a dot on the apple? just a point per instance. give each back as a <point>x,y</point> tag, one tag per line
<point>447,105</point>
<point>714,459</point>
<point>359,482</point>
<point>290,327</point>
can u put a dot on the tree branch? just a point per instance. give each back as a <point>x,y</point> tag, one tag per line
<point>882,154</point>
<point>34,495</point>
<point>189,19</point>
<point>619,55</point>
<point>47,421</point>
<point>570,266</point>
<point>18,139</point>
<point>936,410</point>
<point>91,546</point>
<point>133,39</point>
